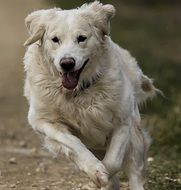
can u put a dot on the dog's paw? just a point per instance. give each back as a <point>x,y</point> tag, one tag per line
<point>100,175</point>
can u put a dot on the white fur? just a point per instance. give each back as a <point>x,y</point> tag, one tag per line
<point>103,116</point>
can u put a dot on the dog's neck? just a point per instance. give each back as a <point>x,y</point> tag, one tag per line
<point>86,84</point>
<point>96,78</point>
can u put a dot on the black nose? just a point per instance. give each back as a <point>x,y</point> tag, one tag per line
<point>67,64</point>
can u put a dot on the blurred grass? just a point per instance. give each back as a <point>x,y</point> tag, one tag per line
<point>151,31</point>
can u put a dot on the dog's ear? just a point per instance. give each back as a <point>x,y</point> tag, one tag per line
<point>38,35</point>
<point>104,13</point>
<point>34,26</point>
<point>101,15</point>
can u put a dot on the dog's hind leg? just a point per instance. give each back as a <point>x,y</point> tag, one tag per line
<point>135,159</point>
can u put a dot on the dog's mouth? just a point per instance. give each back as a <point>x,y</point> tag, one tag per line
<point>71,79</point>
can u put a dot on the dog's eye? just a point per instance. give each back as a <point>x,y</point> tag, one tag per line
<point>55,39</point>
<point>81,38</point>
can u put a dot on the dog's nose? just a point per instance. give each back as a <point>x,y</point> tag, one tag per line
<point>67,64</point>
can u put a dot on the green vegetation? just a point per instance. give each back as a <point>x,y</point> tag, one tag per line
<point>152,32</point>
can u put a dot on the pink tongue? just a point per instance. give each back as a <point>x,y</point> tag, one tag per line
<point>70,80</point>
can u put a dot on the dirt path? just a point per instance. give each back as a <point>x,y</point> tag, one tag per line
<point>12,36</point>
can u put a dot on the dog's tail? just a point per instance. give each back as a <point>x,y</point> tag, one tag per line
<point>146,90</point>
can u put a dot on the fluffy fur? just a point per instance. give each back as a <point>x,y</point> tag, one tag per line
<point>96,124</point>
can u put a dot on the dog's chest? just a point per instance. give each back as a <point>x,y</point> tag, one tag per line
<point>91,118</point>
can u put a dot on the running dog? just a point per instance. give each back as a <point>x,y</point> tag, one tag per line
<point>84,90</point>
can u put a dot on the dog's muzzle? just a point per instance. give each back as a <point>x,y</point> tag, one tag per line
<point>67,64</point>
<point>70,77</point>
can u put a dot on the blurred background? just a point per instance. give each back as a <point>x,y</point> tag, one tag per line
<point>151,31</point>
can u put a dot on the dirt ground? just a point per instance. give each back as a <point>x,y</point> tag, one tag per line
<point>24,164</point>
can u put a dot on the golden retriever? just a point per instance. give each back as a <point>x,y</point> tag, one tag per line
<point>84,91</point>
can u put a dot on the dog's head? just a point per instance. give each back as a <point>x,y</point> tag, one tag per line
<point>71,40</point>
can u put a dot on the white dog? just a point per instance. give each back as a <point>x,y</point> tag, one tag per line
<point>84,92</point>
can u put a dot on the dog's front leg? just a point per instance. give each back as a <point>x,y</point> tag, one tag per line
<point>116,150</point>
<point>61,140</point>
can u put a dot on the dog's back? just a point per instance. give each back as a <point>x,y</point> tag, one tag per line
<point>142,84</point>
